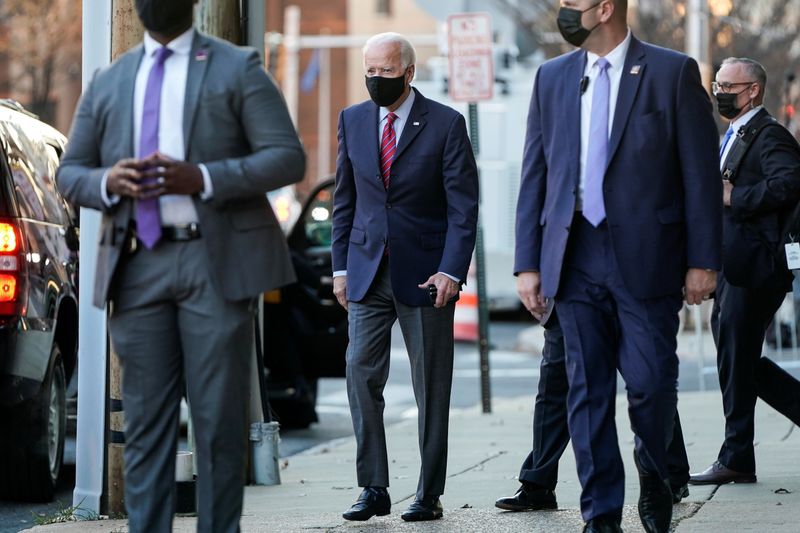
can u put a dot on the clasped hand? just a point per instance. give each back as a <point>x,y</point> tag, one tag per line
<point>153,176</point>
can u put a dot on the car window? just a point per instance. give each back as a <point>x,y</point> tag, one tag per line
<point>317,220</point>
<point>32,164</point>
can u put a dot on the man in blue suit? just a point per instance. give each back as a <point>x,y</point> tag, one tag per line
<point>619,213</point>
<point>405,210</point>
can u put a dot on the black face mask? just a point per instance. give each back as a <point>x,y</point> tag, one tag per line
<point>569,24</point>
<point>385,91</point>
<point>726,104</point>
<point>165,15</point>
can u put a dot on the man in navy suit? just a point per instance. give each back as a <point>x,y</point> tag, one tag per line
<point>405,210</point>
<point>619,213</point>
<point>760,198</point>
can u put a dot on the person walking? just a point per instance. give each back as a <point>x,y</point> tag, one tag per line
<point>405,211</point>
<point>760,161</point>
<point>618,218</point>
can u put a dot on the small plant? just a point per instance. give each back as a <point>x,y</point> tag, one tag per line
<point>72,513</point>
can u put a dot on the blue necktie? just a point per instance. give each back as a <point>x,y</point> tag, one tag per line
<point>725,139</point>
<point>594,209</point>
<point>148,219</point>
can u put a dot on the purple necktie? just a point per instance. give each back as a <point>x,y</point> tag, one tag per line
<point>148,221</point>
<point>597,155</point>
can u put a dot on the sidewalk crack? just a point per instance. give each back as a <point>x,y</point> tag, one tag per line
<point>480,464</point>
<point>696,506</point>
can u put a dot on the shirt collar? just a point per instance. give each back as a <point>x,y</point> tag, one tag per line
<point>744,119</point>
<point>403,111</point>
<point>182,44</point>
<point>615,58</point>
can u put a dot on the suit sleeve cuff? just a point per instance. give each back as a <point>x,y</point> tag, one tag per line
<point>208,187</point>
<point>451,277</point>
<point>108,200</point>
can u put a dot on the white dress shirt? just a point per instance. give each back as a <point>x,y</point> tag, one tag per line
<point>616,64</point>
<point>402,113</point>
<point>736,125</point>
<point>174,209</point>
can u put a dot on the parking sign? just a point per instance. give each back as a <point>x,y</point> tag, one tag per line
<point>470,54</point>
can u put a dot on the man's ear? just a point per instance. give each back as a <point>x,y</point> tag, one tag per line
<point>410,71</point>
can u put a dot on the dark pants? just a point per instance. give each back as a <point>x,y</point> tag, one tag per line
<point>606,330</point>
<point>550,432</point>
<point>739,322</point>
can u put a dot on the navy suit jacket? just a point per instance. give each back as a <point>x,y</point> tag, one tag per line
<point>662,187</point>
<point>766,190</point>
<point>428,216</point>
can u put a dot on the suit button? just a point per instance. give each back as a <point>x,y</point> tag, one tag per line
<point>574,191</point>
<point>388,206</point>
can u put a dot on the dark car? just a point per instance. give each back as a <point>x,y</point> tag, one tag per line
<point>305,329</point>
<point>38,306</point>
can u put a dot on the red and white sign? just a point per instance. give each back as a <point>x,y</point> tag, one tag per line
<point>470,51</point>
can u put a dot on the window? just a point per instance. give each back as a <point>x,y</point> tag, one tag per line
<point>383,7</point>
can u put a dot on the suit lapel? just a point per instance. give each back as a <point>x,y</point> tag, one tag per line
<point>571,91</point>
<point>632,73</point>
<point>127,86</point>
<point>415,124</point>
<point>199,59</point>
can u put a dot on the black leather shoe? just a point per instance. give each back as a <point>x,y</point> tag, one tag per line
<point>374,501</point>
<point>679,493</point>
<point>655,501</point>
<point>428,508</point>
<point>719,474</point>
<point>529,497</point>
<point>602,524</point>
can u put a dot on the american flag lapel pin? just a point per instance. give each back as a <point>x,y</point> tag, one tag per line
<point>201,55</point>
<point>635,69</point>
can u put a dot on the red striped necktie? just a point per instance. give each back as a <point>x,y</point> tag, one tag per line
<point>388,148</point>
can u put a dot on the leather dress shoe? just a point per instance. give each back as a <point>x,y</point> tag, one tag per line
<point>428,508</point>
<point>655,501</point>
<point>719,474</point>
<point>679,493</point>
<point>529,497</point>
<point>602,524</point>
<point>373,501</point>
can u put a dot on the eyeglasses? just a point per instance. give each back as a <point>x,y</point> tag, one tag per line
<point>726,86</point>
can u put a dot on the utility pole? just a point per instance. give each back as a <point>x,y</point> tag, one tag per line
<point>220,18</point>
<point>126,32</point>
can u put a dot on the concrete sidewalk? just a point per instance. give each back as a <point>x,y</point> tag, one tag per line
<point>485,454</point>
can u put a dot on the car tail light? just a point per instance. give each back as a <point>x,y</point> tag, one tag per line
<point>13,272</point>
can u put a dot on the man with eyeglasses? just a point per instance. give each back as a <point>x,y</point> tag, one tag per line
<point>761,187</point>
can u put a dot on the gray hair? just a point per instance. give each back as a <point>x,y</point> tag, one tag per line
<point>408,56</point>
<point>753,68</point>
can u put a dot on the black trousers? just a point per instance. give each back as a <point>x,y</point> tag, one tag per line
<point>550,432</point>
<point>739,322</point>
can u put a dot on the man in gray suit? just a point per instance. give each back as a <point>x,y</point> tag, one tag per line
<point>176,143</point>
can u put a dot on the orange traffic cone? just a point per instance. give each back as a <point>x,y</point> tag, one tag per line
<point>465,323</point>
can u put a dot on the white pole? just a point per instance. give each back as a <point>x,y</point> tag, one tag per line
<point>697,37</point>
<point>291,29</point>
<point>92,340</point>
<point>324,110</point>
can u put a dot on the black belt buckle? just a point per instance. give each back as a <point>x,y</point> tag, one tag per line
<point>182,232</point>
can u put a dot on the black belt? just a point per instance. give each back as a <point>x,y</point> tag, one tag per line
<point>183,232</point>
<point>179,233</point>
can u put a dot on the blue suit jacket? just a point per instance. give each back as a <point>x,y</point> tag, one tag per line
<point>662,187</point>
<point>428,216</point>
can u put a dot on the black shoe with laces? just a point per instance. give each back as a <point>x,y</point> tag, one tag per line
<point>373,501</point>
<point>529,497</point>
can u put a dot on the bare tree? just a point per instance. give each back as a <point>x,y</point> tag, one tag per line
<point>42,42</point>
